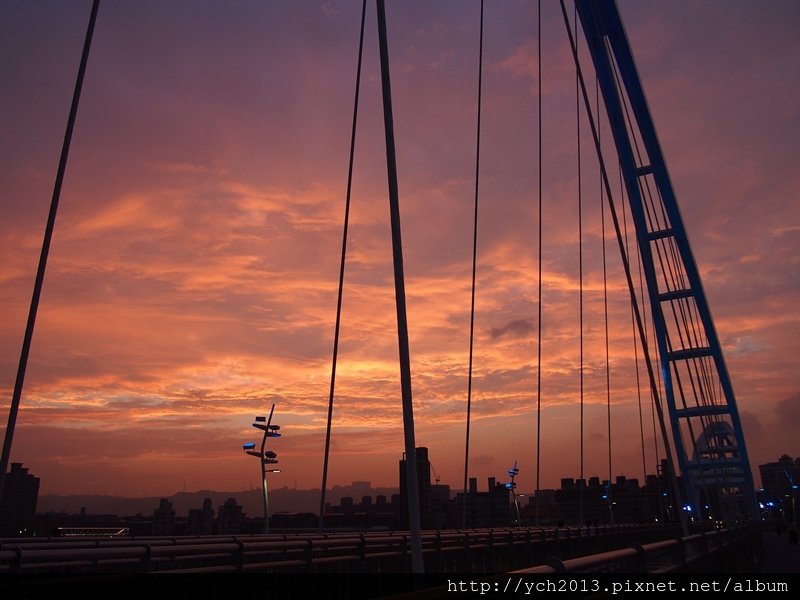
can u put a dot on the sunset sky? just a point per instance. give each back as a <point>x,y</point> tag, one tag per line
<point>192,278</point>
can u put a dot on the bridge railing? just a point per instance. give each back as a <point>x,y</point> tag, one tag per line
<point>698,551</point>
<point>478,550</point>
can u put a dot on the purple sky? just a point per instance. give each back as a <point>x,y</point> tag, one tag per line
<point>193,272</point>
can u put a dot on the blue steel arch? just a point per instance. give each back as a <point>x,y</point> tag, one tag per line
<point>696,384</point>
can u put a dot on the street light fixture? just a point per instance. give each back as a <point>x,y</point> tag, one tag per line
<point>266,457</point>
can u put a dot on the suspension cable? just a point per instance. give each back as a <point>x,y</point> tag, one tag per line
<point>474,268</point>
<point>537,498</point>
<point>341,271</point>
<point>653,397</point>
<point>633,335</point>
<point>48,236</point>
<point>605,320</point>
<point>580,275</point>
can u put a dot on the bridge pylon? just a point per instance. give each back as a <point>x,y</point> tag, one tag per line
<point>706,429</point>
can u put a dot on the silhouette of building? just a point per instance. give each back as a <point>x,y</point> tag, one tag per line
<point>424,489</point>
<point>491,508</point>
<point>18,505</point>
<point>230,518</point>
<point>366,515</point>
<point>540,509</point>
<point>292,520</point>
<point>164,518</point>
<point>201,520</point>
<point>439,499</point>
<point>777,478</point>
<point>360,487</point>
<point>620,501</point>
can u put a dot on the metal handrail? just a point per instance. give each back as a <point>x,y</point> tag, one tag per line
<point>638,558</point>
<point>271,551</point>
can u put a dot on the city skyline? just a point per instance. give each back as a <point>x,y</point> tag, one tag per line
<point>286,499</point>
<point>192,279</point>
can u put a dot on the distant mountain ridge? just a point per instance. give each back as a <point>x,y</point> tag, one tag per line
<point>282,499</point>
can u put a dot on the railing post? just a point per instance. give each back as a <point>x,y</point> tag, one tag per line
<point>147,559</point>
<point>703,544</point>
<point>511,549</point>
<point>569,542</point>
<point>437,547</point>
<point>308,553</point>
<point>528,542</point>
<point>678,555</point>
<point>238,556</point>
<point>16,566</point>
<point>543,545</point>
<point>489,554</point>
<point>684,545</point>
<point>557,564</point>
<point>403,551</point>
<point>362,552</point>
<point>640,562</point>
<point>463,556</point>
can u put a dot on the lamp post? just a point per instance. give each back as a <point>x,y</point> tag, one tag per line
<point>512,485</point>
<point>266,457</point>
<point>607,498</point>
<point>792,491</point>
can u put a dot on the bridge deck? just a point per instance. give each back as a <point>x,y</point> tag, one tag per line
<point>779,555</point>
